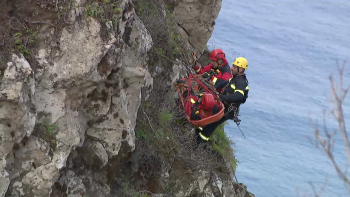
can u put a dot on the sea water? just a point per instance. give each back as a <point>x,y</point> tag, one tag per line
<point>292,47</point>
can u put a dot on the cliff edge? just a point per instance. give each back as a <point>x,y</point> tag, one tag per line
<point>87,107</point>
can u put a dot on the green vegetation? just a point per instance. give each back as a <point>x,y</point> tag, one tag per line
<point>223,145</point>
<point>165,116</point>
<point>93,10</point>
<point>105,11</point>
<point>23,39</point>
<point>147,9</point>
<point>126,188</point>
<point>141,134</point>
<point>160,134</point>
<point>47,131</point>
<point>171,45</point>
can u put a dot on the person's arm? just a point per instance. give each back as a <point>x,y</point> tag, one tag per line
<point>237,96</point>
<point>215,110</point>
<point>202,69</point>
<point>224,77</point>
<point>195,115</point>
<point>220,84</point>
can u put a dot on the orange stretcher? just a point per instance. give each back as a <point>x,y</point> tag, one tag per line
<point>195,87</point>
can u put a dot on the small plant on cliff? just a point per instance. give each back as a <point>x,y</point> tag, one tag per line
<point>170,44</point>
<point>223,145</point>
<point>23,39</point>
<point>141,134</point>
<point>93,10</point>
<point>47,130</point>
<point>107,10</point>
<point>17,32</point>
<point>165,116</point>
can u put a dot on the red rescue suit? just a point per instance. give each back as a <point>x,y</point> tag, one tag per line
<point>222,73</point>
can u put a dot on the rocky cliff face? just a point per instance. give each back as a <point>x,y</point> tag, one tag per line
<point>73,77</point>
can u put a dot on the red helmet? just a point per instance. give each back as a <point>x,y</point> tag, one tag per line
<point>207,101</point>
<point>217,54</point>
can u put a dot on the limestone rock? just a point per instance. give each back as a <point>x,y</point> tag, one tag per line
<point>197,18</point>
<point>73,182</point>
<point>115,124</point>
<point>51,102</point>
<point>86,183</point>
<point>94,154</point>
<point>17,114</point>
<point>185,191</point>
<point>241,190</point>
<point>203,179</point>
<point>89,79</point>
<point>71,128</point>
<point>37,182</point>
<point>68,69</point>
<point>4,181</point>
<point>97,102</point>
<point>139,40</point>
<point>179,71</point>
<point>33,152</point>
<point>227,188</point>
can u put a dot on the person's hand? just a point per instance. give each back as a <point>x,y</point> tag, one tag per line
<point>196,66</point>
<point>205,75</point>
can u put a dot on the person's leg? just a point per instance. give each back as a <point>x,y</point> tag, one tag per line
<point>199,140</point>
<point>206,132</point>
<point>209,129</point>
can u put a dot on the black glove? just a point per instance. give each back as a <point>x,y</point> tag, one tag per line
<point>205,75</point>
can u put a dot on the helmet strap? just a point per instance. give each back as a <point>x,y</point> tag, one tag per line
<point>238,72</point>
<point>217,61</point>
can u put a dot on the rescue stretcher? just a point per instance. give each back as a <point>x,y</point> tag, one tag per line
<point>195,83</point>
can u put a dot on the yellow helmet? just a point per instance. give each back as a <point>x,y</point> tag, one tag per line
<point>241,62</point>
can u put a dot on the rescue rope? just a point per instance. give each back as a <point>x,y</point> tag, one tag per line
<point>189,87</point>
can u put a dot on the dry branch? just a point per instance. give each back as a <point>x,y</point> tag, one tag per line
<point>327,143</point>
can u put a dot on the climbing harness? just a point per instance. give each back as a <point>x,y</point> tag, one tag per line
<point>235,116</point>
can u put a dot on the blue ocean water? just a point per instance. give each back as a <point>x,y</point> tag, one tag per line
<point>292,47</point>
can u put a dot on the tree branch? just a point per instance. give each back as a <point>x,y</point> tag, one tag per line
<point>338,96</point>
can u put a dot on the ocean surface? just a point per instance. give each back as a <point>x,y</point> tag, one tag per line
<point>292,47</point>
